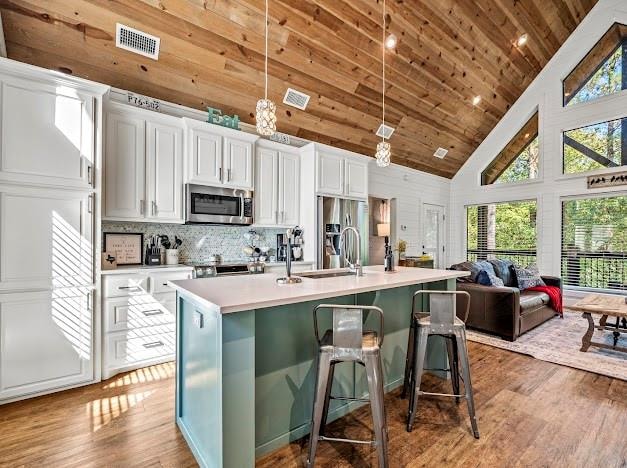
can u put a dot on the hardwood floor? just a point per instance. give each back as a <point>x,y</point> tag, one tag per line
<point>531,413</point>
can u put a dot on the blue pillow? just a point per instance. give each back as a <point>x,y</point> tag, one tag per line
<point>486,278</point>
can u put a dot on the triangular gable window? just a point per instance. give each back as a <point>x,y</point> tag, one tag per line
<point>519,160</point>
<point>602,71</point>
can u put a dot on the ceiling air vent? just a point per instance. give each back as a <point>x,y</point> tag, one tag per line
<point>440,153</point>
<point>385,131</point>
<point>296,99</point>
<point>137,41</point>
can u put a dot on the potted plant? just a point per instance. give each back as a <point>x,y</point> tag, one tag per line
<point>401,246</point>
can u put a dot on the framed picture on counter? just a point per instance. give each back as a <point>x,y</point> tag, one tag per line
<point>127,247</point>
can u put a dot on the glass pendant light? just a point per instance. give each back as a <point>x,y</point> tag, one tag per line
<point>384,150</point>
<point>266,109</point>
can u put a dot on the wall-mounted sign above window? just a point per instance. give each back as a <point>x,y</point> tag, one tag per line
<point>143,101</point>
<point>607,180</point>
<point>215,117</point>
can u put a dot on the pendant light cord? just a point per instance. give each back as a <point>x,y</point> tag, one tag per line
<point>266,62</point>
<point>383,49</point>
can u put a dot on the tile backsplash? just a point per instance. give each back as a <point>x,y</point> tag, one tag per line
<point>200,241</point>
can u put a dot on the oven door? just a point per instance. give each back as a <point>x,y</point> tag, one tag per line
<point>216,205</point>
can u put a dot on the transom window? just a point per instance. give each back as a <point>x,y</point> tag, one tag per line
<point>602,71</point>
<point>519,160</point>
<point>598,146</point>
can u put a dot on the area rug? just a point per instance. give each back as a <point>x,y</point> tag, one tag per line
<point>559,341</point>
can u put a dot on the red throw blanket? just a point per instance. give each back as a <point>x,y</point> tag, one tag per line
<point>555,295</point>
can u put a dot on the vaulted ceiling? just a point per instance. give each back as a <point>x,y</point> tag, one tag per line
<point>448,52</point>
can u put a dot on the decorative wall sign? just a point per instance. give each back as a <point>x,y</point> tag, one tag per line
<point>126,247</point>
<point>607,180</point>
<point>109,261</point>
<point>280,138</point>
<point>143,101</point>
<point>215,117</point>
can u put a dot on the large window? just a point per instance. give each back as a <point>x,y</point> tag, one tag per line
<point>519,160</point>
<point>594,242</point>
<point>598,146</point>
<point>602,71</point>
<point>502,230</point>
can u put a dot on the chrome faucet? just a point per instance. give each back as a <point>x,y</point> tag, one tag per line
<point>354,267</point>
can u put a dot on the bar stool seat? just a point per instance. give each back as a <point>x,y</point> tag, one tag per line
<point>348,342</point>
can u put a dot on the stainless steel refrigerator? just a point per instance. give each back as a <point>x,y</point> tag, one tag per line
<point>334,214</point>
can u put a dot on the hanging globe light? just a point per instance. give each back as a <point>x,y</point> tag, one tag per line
<point>383,154</point>
<point>266,117</point>
<point>266,109</point>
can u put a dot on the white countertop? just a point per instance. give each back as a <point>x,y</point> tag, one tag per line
<point>246,292</point>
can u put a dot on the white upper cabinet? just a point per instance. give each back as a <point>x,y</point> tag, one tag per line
<point>330,174</point>
<point>164,160</point>
<point>143,166</point>
<point>238,163</point>
<point>47,134</point>
<point>125,170</point>
<point>277,185</point>
<point>266,187</point>
<point>204,157</point>
<point>218,156</point>
<point>289,188</point>
<point>342,175</point>
<point>356,174</point>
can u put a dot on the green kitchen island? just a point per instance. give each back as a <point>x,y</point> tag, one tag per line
<point>246,351</point>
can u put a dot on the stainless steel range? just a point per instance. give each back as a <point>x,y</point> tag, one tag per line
<point>212,270</point>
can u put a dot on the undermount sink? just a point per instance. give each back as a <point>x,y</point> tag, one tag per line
<point>326,274</point>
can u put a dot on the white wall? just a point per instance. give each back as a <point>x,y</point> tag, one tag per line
<point>544,94</point>
<point>411,189</point>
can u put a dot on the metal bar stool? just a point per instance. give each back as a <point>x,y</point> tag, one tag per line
<point>441,320</point>
<point>347,341</point>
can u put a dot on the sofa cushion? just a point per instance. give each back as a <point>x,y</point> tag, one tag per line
<point>532,299</point>
<point>488,279</point>
<point>474,268</point>
<point>528,277</point>
<point>504,269</point>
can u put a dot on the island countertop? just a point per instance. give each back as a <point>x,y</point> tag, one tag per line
<point>246,292</point>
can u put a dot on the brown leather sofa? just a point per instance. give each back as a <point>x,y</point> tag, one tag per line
<point>506,311</point>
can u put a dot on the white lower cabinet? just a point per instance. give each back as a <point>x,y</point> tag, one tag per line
<point>45,341</point>
<point>138,319</point>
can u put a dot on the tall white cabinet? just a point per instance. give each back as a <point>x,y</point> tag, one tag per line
<point>277,185</point>
<point>49,186</point>
<point>144,166</point>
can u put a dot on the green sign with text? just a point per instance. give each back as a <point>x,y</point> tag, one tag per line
<point>215,117</point>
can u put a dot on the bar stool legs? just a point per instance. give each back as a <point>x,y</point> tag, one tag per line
<point>418,368</point>
<point>322,381</point>
<point>374,374</point>
<point>460,336</point>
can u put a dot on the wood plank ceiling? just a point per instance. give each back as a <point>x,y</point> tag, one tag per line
<point>212,54</point>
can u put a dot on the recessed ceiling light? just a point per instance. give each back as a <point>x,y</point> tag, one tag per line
<point>476,100</point>
<point>390,41</point>
<point>526,135</point>
<point>522,40</point>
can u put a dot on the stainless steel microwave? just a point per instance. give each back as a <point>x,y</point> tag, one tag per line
<point>217,205</point>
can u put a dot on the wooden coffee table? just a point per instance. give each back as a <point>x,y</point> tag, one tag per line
<point>606,305</point>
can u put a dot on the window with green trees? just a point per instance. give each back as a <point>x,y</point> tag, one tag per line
<point>598,146</point>
<point>502,230</point>
<point>602,71</point>
<point>519,160</point>
<point>594,242</point>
